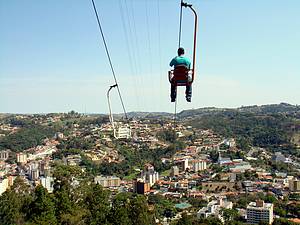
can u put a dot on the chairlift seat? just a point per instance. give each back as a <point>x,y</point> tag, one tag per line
<point>180,76</point>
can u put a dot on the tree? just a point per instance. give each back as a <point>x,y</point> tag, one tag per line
<point>185,220</point>
<point>130,209</point>
<point>263,223</point>
<point>14,203</point>
<point>98,205</point>
<point>68,209</point>
<point>11,208</point>
<point>281,221</point>
<point>42,208</point>
<point>120,211</point>
<point>139,212</point>
<point>229,214</point>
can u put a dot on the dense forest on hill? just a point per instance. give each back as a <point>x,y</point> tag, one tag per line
<point>26,137</point>
<point>252,129</point>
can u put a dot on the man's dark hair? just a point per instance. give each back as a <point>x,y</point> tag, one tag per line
<point>180,51</point>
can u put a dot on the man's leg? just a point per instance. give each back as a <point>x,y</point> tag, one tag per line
<point>173,92</point>
<point>188,92</point>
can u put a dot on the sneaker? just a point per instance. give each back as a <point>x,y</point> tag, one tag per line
<point>188,99</point>
<point>172,99</point>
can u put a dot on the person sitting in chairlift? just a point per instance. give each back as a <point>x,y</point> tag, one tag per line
<point>181,60</point>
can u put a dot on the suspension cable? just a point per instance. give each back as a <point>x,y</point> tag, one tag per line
<point>179,43</point>
<point>180,22</point>
<point>109,59</point>
<point>175,114</point>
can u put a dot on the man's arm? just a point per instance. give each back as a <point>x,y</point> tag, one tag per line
<point>172,63</point>
<point>189,64</point>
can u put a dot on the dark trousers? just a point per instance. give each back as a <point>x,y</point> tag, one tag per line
<point>188,91</point>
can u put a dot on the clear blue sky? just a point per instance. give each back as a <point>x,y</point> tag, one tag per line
<point>53,60</point>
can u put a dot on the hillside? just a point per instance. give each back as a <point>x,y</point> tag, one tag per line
<point>273,126</point>
<point>284,108</point>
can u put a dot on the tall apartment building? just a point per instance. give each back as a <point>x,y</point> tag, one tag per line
<point>198,165</point>
<point>182,164</point>
<point>109,181</point>
<point>4,155</point>
<point>124,133</point>
<point>174,171</point>
<point>47,183</point>
<point>294,185</point>
<point>3,185</point>
<point>140,186</point>
<point>259,211</point>
<point>21,157</point>
<point>150,175</point>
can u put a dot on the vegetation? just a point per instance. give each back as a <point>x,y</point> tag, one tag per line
<point>80,202</point>
<point>26,137</point>
<point>134,158</point>
<point>271,130</point>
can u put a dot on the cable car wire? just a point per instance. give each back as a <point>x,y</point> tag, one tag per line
<point>109,59</point>
<point>179,45</point>
<point>180,23</point>
<point>133,67</point>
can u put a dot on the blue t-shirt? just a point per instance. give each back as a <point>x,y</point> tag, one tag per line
<point>180,60</point>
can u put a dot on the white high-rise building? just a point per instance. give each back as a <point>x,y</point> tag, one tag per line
<point>259,211</point>
<point>4,155</point>
<point>3,185</point>
<point>214,208</point>
<point>198,165</point>
<point>150,175</point>
<point>124,133</point>
<point>47,183</point>
<point>21,157</point>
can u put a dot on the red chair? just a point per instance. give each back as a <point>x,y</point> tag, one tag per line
<point>181,76</point>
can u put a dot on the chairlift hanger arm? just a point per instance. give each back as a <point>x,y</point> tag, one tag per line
<point>184,4</point>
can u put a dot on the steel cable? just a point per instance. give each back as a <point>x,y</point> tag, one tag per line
<point>109,59</point>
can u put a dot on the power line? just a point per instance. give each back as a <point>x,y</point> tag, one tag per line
<point>109,59</point>
<point>149,50</point>
<point>159,43</point>
<point>129,49</point>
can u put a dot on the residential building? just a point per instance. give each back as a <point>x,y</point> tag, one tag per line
<point>294,185</point>
<point>124,133</point>
<point>4,155</point>
<point>47,182</point>
<point>110,181</point>
<point>174,171</point>
<point>240,167</point>
<point>223,161</point>
<point>141,187</point>
<point>279,157</point>
<point>150,175</point>
<point>21,157</point>
<point>198,165</point>
<point>182,164</point>
<point>259,211</point>
<point>3,185</point>
<point>214,208</point>
<point>59,136</point>
<point>34,174</point>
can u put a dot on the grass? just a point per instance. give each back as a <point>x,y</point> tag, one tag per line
<point>165,173</point>
<point>132,175</point>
